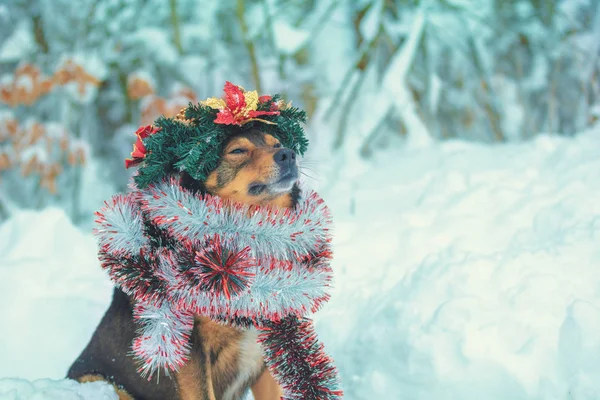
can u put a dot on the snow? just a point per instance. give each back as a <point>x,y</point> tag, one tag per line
<point>193,69</point>
<point>463,271</point>
<point>155,44</point>
<point>469,272</point>
<point>371,23</point>
<point>20,45</point>
<point>47,389</point>
<point>24,83</point>
<point>53,292</point>
<point>288,39</point>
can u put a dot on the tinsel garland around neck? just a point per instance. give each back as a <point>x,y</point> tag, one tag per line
<point>179,254</point>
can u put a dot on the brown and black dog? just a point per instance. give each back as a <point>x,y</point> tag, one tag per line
<point>225,362</point>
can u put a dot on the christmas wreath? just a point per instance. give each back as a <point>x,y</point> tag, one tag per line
<point>195,137</point>
<point>179,253</point>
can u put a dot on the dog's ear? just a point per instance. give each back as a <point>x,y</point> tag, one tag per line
<point>191,184</point>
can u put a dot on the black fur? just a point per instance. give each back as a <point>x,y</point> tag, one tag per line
<point>193,185</point>
<point>295,195</point>
<point>108,354</point>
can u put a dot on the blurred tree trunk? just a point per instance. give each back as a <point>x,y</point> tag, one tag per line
<point>241,17</point>
<point>175,26</point>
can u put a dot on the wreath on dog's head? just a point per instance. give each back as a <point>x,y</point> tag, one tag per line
<point>197,134</point>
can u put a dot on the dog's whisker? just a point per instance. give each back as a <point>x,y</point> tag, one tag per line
<point>308,170</point>
<point>309,163</point>
<point>309,176</point>
<point>310,160</point>
<point>308,167</point>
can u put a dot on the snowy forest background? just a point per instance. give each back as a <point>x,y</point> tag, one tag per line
<point>456,143</point>
<point>76,82</point>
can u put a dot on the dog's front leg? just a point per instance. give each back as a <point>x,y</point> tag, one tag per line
<point>195,378</point>
<point>266,388</point>
<point>195,382</point>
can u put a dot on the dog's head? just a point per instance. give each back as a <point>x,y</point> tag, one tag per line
<point>255,169</point>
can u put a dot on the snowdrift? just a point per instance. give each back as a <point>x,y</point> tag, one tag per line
<point>48,389</point>
<point>463,271</point>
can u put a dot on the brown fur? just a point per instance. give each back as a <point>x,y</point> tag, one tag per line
<point>213,363</point>
<point>266,387</point>
<point>235,172</point>
<point>217,354</point>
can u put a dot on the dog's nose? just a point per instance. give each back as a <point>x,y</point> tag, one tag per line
<point>285,157</point>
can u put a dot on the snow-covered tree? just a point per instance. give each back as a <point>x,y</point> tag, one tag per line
<point>370,73</point>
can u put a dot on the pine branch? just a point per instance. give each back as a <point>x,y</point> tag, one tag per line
<point>39,35</point>
<point>128,104</point>
<point>4,214</point>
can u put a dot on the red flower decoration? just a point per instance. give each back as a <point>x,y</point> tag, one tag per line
<point>139,150</point>
<point>275,105</point>
<point>239,106</point>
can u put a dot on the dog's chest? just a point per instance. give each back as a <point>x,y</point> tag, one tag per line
<point>249,364</point>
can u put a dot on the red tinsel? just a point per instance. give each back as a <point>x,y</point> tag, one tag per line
<point>303,368</point>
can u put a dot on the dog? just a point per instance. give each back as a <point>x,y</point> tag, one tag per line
<point>224,362</point>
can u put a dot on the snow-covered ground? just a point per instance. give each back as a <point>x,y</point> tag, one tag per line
<point>464,271</point>
<point>49,389</point>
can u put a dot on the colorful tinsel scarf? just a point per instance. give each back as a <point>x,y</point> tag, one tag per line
<point>180,254</point>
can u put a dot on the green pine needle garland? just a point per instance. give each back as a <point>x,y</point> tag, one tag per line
<point>195,145</point>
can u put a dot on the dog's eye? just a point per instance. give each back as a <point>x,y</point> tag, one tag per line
<point>237,151</point>
<point>277,145</point>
